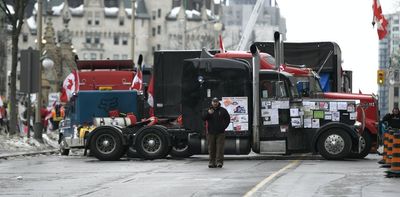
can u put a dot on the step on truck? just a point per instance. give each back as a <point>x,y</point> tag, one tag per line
<point>267,114</point>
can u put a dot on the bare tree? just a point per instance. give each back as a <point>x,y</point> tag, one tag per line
<point>15,18</point>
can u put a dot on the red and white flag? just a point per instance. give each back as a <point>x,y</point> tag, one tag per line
<point>137,81</point>
<point>150,98</point>
<point>70,85</point>
<point>379,19</point>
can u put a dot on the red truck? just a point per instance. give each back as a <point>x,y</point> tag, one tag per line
<point>309,86</point>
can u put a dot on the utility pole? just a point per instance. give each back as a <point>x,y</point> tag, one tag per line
<point>133,30</point>
<point>38,119</point>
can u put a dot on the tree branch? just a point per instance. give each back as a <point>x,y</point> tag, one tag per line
<point>4,8</point>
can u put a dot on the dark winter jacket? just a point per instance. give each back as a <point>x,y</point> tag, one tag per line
<point>393,120</point>
<point>217,121</point>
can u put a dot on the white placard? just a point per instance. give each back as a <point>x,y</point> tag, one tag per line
<point>342,105</point>
<point>333,106</point>
<point>307,123</point>
<point>335,116</point>
<point>294,112</point>
<point>353,116</point>
<point>296,122</point>
<point>272,117</point>
<point>328,116</point>
<point>315,123</point>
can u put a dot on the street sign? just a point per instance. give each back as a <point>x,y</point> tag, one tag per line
<point>29,76</point>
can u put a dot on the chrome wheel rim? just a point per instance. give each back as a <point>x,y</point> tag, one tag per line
<point>362,143</point>
<point>334,144</point>
<point>105,143</point>
<point>151,143</point>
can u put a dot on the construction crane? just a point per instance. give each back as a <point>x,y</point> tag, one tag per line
<point>250,25</point>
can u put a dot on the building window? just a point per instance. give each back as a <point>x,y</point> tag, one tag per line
<point>116,39</point>
<point>88,40</point>
<point>124,41</point>
<point>158,47</point>
<point>25,37</point>
<point>159,29</point>
<point>154,31</point>
<point>159,13</point>
<point>396,104</point>
<point>396,21</point>
<point>97,18</point>
<point>124,56</point>
<point>93,56</point>
<point>396,91</point>
<point>395,28</point>
<point>97,40</point>
<point>85,56</point>
<point>153,49</point>
<point>116,57</point>
<point>89,21</point>
<point>121,22</point>
<point>154,13</point>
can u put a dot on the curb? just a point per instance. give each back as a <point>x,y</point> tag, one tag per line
<point>7,155</point>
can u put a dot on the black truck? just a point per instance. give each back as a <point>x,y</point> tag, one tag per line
<point>267,113</point>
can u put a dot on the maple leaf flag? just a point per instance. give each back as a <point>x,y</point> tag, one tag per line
<point>70,85</point>
<point>150,99</point>
<point>379,19</point>
<point>137,81</point>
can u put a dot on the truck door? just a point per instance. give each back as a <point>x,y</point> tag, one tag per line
<point>275,93</point>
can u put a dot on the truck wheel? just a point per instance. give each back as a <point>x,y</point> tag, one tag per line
<point>63,149</point>
<point>334,144</point>
<point>180,152</point>
<point>106,145</point>
<point>152,143</point>
<point>366,144</point>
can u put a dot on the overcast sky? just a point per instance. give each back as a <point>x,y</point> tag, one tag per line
<point>346,22</point>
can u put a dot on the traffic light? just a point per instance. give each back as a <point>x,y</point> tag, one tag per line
<point>381,77</point>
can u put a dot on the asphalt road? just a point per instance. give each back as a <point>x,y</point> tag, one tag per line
<point>55,175</point>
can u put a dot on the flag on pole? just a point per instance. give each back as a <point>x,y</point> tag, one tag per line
<point>221,45</point>
<point>379,19</point>
<point>150,98</point>
<point>70,85</point>
<point>137,80</point>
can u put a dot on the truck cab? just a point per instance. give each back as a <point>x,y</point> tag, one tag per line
<point>288,123</point>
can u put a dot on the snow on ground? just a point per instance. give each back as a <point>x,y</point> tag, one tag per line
<point>10,144</point>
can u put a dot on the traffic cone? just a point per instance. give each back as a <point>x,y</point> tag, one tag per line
<point>388,160</point>
<point>395,160</point>
<point>385,146</point>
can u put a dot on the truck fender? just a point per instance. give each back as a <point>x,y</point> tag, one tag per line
<point>162,129</point>
<point>352,133</point>
<point>112,128</point>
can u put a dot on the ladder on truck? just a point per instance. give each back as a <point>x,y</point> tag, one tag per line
<point>250,25</point>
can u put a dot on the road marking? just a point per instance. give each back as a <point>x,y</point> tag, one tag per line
<point>269,178</point>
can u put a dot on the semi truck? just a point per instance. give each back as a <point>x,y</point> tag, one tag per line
<point>267,114</point>
<point>324,57</point>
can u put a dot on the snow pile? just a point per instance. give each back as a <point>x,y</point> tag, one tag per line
<point>57,9</point>
<point>77,11</point>
<point>31,22</point>
<point>111,11</point>
<point>192,13</point>
<point>174,12</point>
<point>23,144</point>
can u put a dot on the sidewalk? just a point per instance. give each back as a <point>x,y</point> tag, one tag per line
<point>22,146</point>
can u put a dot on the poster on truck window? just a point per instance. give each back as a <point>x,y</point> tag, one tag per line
<point>237,108</point>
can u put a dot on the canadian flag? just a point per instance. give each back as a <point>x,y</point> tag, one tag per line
<point>150,99</point>
<point>379,19</point>
<point>137,81</point>
<point>70,85</point>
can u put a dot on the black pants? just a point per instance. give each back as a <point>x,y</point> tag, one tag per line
<point>216,144</point>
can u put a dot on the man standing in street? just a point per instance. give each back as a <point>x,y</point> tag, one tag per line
<point>217,121</point>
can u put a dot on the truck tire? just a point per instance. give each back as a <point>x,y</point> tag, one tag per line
<point>63,149</point>
<point>106,145</point>
<point>180,152</point>
<point>366,144</point>
<point>334,144</point>
<point>152,143</point>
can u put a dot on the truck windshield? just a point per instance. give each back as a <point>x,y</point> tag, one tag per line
<point>306,86</point>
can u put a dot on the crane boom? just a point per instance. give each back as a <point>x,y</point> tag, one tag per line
<point>250,25</point>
